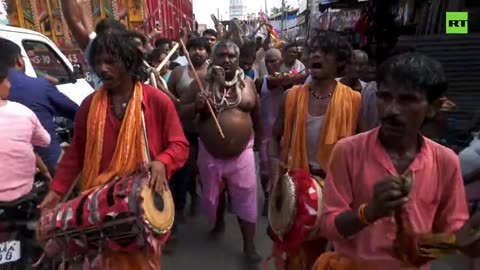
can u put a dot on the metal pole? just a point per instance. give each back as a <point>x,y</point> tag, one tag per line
<point>283,16</point>
<point>266,8</point>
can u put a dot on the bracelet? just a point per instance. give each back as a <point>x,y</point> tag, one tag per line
<point>361,214</point>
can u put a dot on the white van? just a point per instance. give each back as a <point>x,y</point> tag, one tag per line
<point>43,57</point>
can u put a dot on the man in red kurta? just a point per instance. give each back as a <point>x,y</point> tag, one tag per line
<point>166,140</point>
<point>108,139</point>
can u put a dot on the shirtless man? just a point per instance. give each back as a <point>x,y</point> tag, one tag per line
<point>179,83</point>
<point>229,160</point>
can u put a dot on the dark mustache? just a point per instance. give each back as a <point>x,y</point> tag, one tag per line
<point>392,120</point>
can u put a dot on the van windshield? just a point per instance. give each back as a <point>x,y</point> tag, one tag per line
<point>46,62</point>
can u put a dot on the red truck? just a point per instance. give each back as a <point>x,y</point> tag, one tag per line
<point>46,16</point>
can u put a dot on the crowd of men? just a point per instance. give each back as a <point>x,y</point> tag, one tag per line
<point>313,113</point>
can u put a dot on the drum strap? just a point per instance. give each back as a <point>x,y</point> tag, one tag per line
<point>147,148</point>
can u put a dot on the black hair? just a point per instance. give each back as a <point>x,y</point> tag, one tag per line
<point>109,24</point>
<point>414,71</point>
<point>248,50</point>
<point>141,37</point>
<point>193,35</point>
<point>210,32</point>
<point>154,55</point>
<point>161,41</point>
<point>122,49</point>
<point>330,43</point>
<point>226,44</point>
<point>9,52</point>
<point>200,42</point>
<point>290,45</point>
<point>3,71</point>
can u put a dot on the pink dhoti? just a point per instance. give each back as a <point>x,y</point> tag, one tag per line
<point>240,181</point>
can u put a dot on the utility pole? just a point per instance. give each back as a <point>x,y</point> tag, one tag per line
<point>266,8</point>
<point>283,16</point>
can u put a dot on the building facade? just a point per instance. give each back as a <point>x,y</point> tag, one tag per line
<point>238,9</point>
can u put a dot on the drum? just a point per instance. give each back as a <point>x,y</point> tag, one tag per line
<point>122,215</point>
<point>294,208</point>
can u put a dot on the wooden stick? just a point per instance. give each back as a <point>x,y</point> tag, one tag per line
<point>153,82</point>
<point>170,53</point>
<point>202,89</point>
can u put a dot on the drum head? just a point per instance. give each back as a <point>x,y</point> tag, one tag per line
<point>318,183</point>
<point>159,209</point>
<point>282,206</point>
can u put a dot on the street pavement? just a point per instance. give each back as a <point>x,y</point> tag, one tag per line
<point>194,249</point>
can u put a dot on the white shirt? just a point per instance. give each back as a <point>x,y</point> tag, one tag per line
<point>182,60</point>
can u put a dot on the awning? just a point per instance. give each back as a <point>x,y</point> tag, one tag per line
<point>301,20</point>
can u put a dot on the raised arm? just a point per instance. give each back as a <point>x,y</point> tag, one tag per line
<point>74,16</point>
<point>266,42</point>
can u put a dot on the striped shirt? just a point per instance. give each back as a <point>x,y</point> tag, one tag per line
<point>20,130</point>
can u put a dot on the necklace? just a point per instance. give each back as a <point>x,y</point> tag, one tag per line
<point>321,97</point>
<point>226,94</point>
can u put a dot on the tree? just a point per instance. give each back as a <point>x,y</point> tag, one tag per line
<point>277,10</point>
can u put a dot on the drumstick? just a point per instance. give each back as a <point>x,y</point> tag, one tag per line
<point>202,89</point>
<point>170,53</point>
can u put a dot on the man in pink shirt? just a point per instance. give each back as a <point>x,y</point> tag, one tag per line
<point>360,196</point>
<point>20,130</point>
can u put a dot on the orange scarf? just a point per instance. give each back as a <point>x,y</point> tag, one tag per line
<point>130,148</point>
<point>340,121</point>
